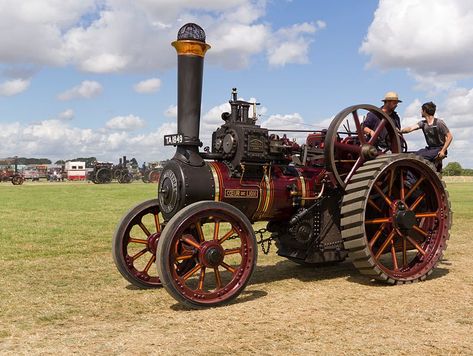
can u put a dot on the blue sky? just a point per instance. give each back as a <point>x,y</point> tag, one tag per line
<point>98,77</point>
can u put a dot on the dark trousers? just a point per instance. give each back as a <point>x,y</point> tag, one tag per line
<point>429,153</point>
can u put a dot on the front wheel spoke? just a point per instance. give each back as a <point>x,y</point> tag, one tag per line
<point>414,187</point>
<point>184,257</point>
<point>378,221</point>
<point>137,241</point>
<point>144,228</point>
<point>385,244</point>
<point>380,192</point>
<point>416,245</point>
<point>402,191</point>
<point>218,278</point>
<point>417,201</point>
<point>393,254</point>
<point>232,251</point>
<point>198,227</point>
<point>433,214</point>
<point>190,242</point>
<point>391,181</point>
<point>139,254</point>
<point>157,223</point>
<point>216,229</point>
<point>226,236</point>
<point>201,278</point>
<point>228,267</point>
<point>191,272</point>
<point>150,263</point>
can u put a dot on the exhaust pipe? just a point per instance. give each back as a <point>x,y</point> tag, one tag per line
<point>191,48</point>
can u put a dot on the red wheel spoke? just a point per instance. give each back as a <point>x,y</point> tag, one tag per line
<point>201,278</point>
<point>218,279</point>
<point>190,241</point>
<point>347,147</point>
<point>227,236</point>
<point>416,245</point>
<point>192,272</point>
<point>228,267</point>
<point>370,202</point>
<point>353,169</point>
<point>216,229</point>
<point>420,231</point>
<point>417,201</point>
<point>393,254</point>
<point>145,230</point>
<point>377,235</point>
<point>359,130</point>
<point>401,174</point>
<point>380,192</point>
<point>150,263</point>
<point>137,241</point>
<point>427,215</point>
<point>232,251</point>
<point>378,221</point>
<point>404,251</point>
<point>391,181</point>
<point>199,231</point>
<point>184,257</point>
<point>414,187</point>
<point>156,222</point>
<point>377,132</point>
<point>139,254</point>
<point>385,244</point>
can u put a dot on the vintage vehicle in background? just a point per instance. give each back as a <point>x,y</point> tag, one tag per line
<point>105,172</point>
<point>340,194</point>
<point>31,173</point>
<point>150,172</point>
<point>10,173</point>
<point>75,170</point>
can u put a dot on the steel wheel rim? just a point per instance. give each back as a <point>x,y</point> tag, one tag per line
<point>147,243</point>
<point>406,255</point>
<point>192,240</point>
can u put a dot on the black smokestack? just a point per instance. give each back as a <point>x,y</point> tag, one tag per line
<point>191,48</point>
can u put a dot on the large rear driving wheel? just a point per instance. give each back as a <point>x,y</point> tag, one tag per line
<point>396,218</point>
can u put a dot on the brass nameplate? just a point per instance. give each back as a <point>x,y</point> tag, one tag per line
<point>242,193</point>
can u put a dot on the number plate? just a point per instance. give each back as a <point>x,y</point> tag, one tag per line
<point>172,140</point>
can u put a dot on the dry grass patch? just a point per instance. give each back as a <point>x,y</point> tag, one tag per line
<point>61,292</point>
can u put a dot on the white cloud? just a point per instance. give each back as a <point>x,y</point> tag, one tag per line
<point>104,36</point>
<point>171,111</point>
<point>147,86</point>
<point>66,115</point>
<point>87,89</point>
<point>14,87</point>
<point>56,139</point>
<point>125,123</point>
<point>433,41</point>
<point>291,44</point>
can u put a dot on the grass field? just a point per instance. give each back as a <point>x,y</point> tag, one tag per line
<point>60,292</point>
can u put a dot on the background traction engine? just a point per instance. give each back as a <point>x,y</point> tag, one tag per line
<point>340,194</point>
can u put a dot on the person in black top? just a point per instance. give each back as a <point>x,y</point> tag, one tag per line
<point>437,135</point>
<point>371,121</point>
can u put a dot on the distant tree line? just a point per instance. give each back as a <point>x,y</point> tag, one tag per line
<point>455,169</point>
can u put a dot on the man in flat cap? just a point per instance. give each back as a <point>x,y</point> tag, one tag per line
<point>391,99</point>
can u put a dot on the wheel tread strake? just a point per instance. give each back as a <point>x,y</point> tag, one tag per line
<point>353,211</point>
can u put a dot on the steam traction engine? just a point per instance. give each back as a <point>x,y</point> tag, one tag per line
<point>340,194</point>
